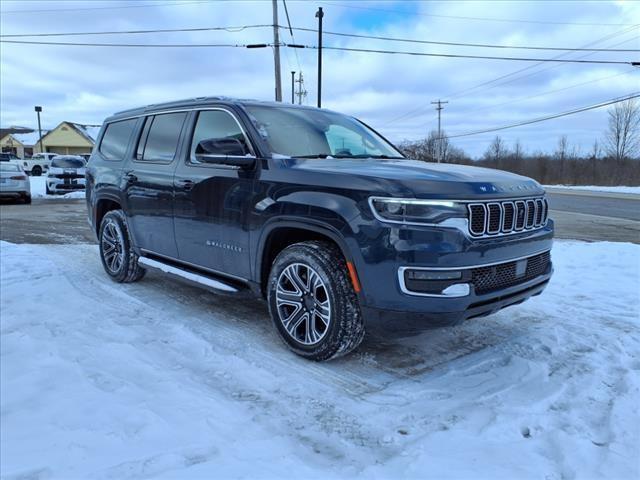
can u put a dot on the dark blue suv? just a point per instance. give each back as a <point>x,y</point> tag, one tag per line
<point>317,213</point>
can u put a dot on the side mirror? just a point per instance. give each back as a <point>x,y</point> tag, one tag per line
<point>224,151</point>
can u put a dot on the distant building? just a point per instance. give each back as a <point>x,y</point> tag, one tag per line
<point>67,138</point>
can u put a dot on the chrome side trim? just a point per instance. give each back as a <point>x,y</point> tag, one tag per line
<point>193,277</point>
<point>177,260</point>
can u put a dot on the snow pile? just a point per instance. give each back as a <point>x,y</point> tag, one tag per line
<point>157,379</point>
<point>39,190</point>
<point>596,188</point>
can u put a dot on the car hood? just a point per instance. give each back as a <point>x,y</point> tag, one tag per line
<point>420,179</point>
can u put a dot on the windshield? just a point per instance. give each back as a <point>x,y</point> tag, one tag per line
<point>299,132</point>
<point>9,167</point>
<point>67,162</point>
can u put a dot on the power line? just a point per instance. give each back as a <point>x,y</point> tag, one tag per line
<point>168,4</point>
<point>313,47</point>
<point>485,19</point>
<point>460,44</point>
<point>340,34</point>
<point>293,38</point>
<point>452,55</point>
<point>549,117</point>
<point>142,45</point>
<point>548,92</point>
<point>231,29</point>
<point>461,93</point>
<point>489,84</point>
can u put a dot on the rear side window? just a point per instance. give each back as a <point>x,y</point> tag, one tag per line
<point>116,139</point>
<point>160,136</point>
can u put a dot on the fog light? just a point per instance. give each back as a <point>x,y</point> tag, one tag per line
<point>457,290</point>
<point>434,274</point>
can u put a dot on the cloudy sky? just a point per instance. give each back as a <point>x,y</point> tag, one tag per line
<point>390,92</point>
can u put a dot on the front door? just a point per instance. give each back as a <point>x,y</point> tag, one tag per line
<point>149,183</point>
<point>212,201</point>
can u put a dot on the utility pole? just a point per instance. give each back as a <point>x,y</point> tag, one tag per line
<point>439,108</point>
<point>38,110</point>
<point>301,90</point>
<point>293,88</point>
<point>319,15</point>
<point>276,50</point>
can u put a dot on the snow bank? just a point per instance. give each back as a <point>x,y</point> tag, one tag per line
<point>39,190</point>
<point>595,188</point>
<point>157,379</point>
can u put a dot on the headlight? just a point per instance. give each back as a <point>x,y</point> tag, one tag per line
<point>405,210</point>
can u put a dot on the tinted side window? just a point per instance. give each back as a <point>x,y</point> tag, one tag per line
<point>116,139</point>
<point>162,139</point>
<point>215,124</point>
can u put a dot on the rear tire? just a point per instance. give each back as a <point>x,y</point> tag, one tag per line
<point>312,302</point>
<point>27,199</point>
<point>116,252</point>
<point>36,171</point>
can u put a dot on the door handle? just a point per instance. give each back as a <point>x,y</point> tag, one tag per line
<point>130,177</point>
<point>186,184</point>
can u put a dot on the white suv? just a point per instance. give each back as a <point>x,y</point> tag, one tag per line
<point>66,174</point>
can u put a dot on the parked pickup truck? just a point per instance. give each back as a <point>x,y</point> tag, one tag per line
<point>315,212</point>
<point>38,163</point>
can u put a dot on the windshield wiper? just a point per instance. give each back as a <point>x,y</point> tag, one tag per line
<point>317,155</point>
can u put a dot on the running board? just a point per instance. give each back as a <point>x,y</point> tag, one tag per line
<point>188,276</point>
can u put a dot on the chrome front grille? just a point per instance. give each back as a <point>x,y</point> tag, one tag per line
<point>497,218</point>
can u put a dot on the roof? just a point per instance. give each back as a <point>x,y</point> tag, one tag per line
<point>14,129</point>
<point>198,102</point>
<point>28,139</point>
<point>88,131</point>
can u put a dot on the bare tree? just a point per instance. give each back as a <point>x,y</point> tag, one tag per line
<point>622,139</point>
<point>497,151</point>
<point>562,150</point>
<point>518,151</point>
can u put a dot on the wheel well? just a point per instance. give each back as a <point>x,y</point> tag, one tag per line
<point>102,208</point>
<point>281,238</point>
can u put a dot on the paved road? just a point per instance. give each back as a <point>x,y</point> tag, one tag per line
<point>584,216</point>
<point>616,205</point>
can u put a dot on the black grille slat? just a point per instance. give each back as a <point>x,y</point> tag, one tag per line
<point>478,219</point>
<point>531,213</point>
<point>498,277</point>
<point>521,212</point>
<point>539,211</point>
<point>495,217</point>
<point>508,209</point>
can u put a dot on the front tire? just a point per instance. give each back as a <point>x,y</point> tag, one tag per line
<point>312,302</point>
<point>36,171</point>
<point>116,252</point>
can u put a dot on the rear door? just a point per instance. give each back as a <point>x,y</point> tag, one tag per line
<point>212,201</point>
<point>148,180</point>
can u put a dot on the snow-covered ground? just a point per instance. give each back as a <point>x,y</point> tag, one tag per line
<point>39,189</point>
<point>157,379</point>
<point>597,188</point>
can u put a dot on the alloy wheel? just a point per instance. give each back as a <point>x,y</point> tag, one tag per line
<point>303,304</point>
<point>112,247</point>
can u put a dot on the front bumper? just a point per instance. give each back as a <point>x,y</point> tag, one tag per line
<point>381,261</point>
